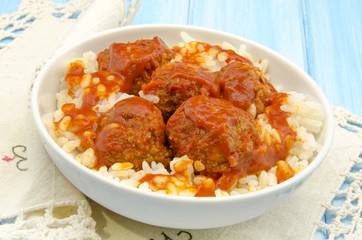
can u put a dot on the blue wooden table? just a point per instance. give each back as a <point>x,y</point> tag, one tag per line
<point>322,37</point>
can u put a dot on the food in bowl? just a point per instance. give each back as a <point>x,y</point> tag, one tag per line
<point>172,211</point>
<point>195,119</point>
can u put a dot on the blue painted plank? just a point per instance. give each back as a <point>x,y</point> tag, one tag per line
<point>161,11</point>
<point>275,24</point>
<point>335,50</point>
<point>8,6</point>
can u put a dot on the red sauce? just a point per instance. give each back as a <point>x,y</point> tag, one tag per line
<point>181,180</point>
<point>131,107</point>
<point>278,119</point>
<point>237,82</point>
<point>268,155</point>
<point>194,57</point>
<point>181,70</point>
<point>206,188</point>
<point>82,123</point>
<point>100,86</point>
<point>74,75</point>
<point>210,116</point>
<point>134,60</point>
<point>216,116</point>
<point>265,156</point>
<point>229,178</point>
<point>108,83</point>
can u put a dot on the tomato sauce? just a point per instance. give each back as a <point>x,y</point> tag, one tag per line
<point>180,181</point>
<point>265,156</point>
<point>134,60</point>
<point>195,57</point>
<point>180,70</point>
<point>74,75</point>
<point>98,85</point>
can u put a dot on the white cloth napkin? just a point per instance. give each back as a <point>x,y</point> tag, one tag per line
<point>36,200</point>
<point>101,15</point>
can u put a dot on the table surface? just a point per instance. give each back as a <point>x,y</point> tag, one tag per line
<point>323,38</point>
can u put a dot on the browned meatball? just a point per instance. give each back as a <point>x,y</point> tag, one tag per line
<point>133,131</point>
<point>242,84</point>
<point>175,82</point>
<point>135,60</point>
<point>213,132</point>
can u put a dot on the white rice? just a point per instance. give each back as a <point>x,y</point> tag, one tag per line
<point>306,120</point>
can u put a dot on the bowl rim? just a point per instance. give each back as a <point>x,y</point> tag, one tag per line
<point>294,181</point>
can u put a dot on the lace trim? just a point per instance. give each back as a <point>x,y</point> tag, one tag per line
<point>29,11</point>
<point>342,216</point>
<point>348,121</point>
<point>70,220</point>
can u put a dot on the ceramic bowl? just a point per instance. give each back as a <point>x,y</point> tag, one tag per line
<point>165,210</point>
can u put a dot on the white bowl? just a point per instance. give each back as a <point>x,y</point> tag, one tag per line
<point>158,209</point>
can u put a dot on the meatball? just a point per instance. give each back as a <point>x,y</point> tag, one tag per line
<point>213,132</point>
<point>135,60</point>
<point>132,131</point>
<point>175,82</point>
<point>242,84</point>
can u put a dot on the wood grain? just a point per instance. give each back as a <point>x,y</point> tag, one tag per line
<point>261,21</point>
<point>335,50</point>
<point>159,11</point>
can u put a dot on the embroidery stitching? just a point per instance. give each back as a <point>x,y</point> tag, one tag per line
<point>180,235</point>
<point>17,154</point>
<point>7,159</point>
